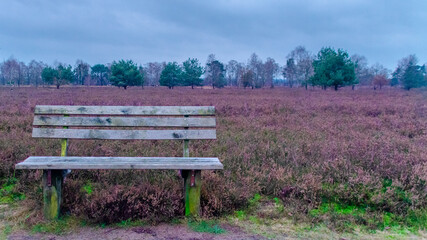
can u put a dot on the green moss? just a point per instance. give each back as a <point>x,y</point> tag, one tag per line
<point>7,230</point>
<point>255,200</point>
<point>241,215</point>
<point>254,220</point>
<point>61,226</point>
<point>130,223</point>
<point>206,226</point>
<point>8,194</point>
<point>279,205</point>
<point>349,217</point>
<point>88,188</point>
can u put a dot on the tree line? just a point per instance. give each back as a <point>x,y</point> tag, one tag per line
<point>328,68</point>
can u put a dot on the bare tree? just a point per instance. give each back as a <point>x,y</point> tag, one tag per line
<point>270,70</point>
<point>3,80</point>
<point>211,58</point>
<point>35,72</point>
<point>303,61</point>
<point>234,71</point>
<point>256,66</point>
<point>247,78</point>
<point>379,80</point>
<point>209,77</point>
<point>363,73</point>
<point>23,77</point>
<point>379,69</point>
<point>153,71</point>
<point>81,71</point>
<point>290,72</point>
<point>11,71</point>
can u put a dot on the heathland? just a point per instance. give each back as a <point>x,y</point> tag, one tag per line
<point>341,158</point>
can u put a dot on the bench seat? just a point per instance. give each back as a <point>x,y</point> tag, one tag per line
<point>183,163</point>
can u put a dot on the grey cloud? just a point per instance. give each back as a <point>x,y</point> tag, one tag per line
<point>165,30</point>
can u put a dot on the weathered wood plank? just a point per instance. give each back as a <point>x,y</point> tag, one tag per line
<point>47,162</point>
<point>123,134</point>
<point>125,110</point>
<point>123,121</point>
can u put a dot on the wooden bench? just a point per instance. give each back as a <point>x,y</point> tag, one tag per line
<point>89,122</point>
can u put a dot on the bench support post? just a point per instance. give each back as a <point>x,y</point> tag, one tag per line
<point>52,186</point>
<point>192,186</point>
<point>192,193</point>
<point>52,193</point>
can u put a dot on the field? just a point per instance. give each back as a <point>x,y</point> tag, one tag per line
<point>342,159</point>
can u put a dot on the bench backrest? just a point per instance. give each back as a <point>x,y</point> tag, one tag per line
<point>153,122</point>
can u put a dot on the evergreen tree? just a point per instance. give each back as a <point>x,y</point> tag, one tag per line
<point>125,73</point>
<point>58,76</point>
<point>215,74</point>
<point>192,71</point>
<point>332,68</point>
<point>414,77</point>
<point>171,75</point>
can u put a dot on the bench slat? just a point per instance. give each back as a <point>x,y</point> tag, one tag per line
<point>123,134</point>
<point>125,110</point>
<point>46,162</point>
<point>123,121</point>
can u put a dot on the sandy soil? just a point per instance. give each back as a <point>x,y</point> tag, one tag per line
<point>162,231</point>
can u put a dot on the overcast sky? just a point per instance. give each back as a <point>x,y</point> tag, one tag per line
<point>101,31</point>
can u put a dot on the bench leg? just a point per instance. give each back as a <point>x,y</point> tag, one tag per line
<point>192,193</point>
<point>52,193</point>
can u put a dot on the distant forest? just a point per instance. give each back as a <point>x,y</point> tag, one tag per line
<point>328,68</point>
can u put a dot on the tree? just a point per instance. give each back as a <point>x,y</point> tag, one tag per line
<point>23,76</point>
<point>11,71</point>
<point>362,72</point>
<point>215,73</point>
<point>290,72</point>
<point>402,65</point>
<point>99,72</point>
<point>395,79</point>
<point>153,71</point>
<point>35,72</point>
<point>379,75</point>
<point>125,73</point>
<point>332,68</point>
<point>247,78</point>
<point>65,74</point>
<point>49,75</point>
<point>256,66</point>
<point>270,70</point>
<point>81,71</point>
<point>378,69</point>
<point>408,73</point>
<point>192,71</point>
<point>141,70</point>
<point>234,70</point>
<point>379,80</point>
<point>304,65</point>
<point>414,77</point>
<point>171,75</point>
<point>208,78</point>
<point>58,76</point>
